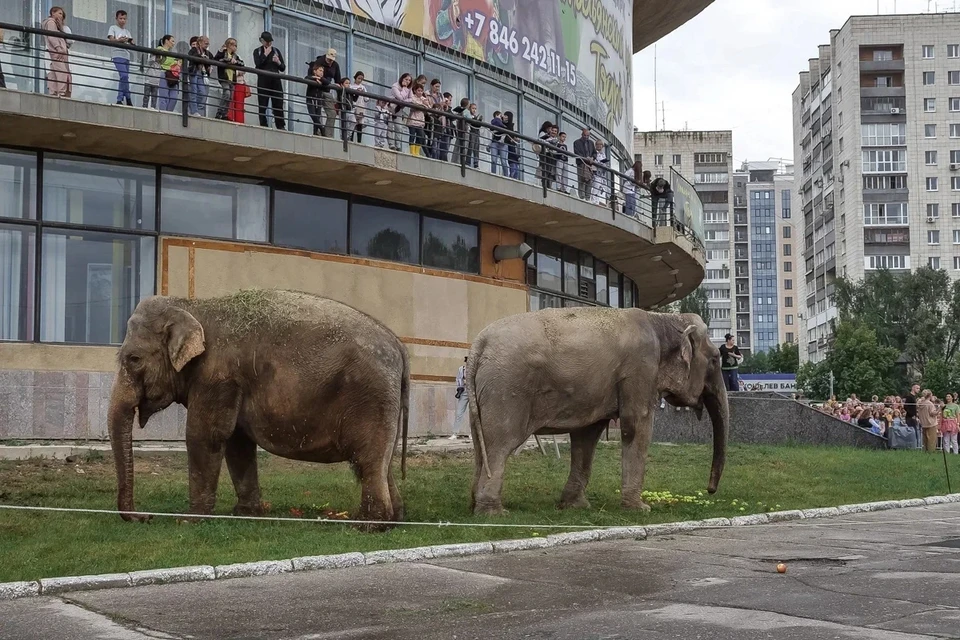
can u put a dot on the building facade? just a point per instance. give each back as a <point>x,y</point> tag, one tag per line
<point>707,156</point>
<point>877,132</point>
<point>102,205</point>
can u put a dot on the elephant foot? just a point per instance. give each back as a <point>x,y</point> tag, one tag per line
<point>248,509</point>
<point>374,527</point>
<point>636,505</point>
<point>495,510</point>
<point>576,502</point>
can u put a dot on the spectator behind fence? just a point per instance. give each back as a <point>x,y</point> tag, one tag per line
<point>730,358</point>
<point>198,75</point>
<point>360,101</point>
<point>910,413</point>
<point>269,89</point>
<point>447,129</point>
<point>315,96</point>
<point>630,189</point>
<point>662,198</point>
<point>227,76</point>
<point>241,91</point>
<point>460,145</point>
<point>473,135</point>
<point>121,57</point>
<point>3,82</point>
<point>416,120</point>
<point>401,91</point>
<point>601,176</point>
<point>585,151</point>
<point>928,413</point>
<point>563,164</point>
<point>170,80</point>
<point>381,123</point>
<point>948,425</point>
<point>334,81</point>
<point>498,148</point>
<point>59,79</point>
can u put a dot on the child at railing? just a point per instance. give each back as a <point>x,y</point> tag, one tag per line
<point>345,117</point>
<point>473,145</point>
<point>381,123</point>
<point>241,92</point>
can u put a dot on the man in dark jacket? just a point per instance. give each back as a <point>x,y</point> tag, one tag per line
<point>586,152</point>
<point>661,194</point>
<point>269,89</point>
<point>332,77</point>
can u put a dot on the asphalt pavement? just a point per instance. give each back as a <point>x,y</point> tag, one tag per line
<point>890,574</point>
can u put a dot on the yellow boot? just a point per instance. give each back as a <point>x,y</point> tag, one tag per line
<point>414,149</point>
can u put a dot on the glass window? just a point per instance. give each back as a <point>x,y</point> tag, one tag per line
<point>300,42</point>
<point>199,206</point>
<point>218,20</point>
<point>381,64</point>
<point>534,115</point>
<point>315,223</point>
<point>613,288</point>
<point>451,245</point>
<point>18,70</point>
<point>455,82</point>
<point>90,284</point>
<point>17,259</point>
<point>388,234</point>
<point>18,179</point>
<point>587,274</point>
<point>548,265</point>
<point>602,283</point>
<point>628,302</point>
<point>97,193</point>
<point>571,283</point>
<point>491,97</point>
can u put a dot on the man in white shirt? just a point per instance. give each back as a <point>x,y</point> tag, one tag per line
<point>462,401</point>
<point>121,57</point>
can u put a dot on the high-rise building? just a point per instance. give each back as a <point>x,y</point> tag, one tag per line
<point>876,121</point>
<point>764,306</point>
<point>707,156</point>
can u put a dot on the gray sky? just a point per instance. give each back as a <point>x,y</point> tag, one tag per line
<point>735,66</point>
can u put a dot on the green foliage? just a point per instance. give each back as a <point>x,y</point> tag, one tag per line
<point>755,363</point>
<point>783,358</point>
<point>942,377</point>
<point>860,365</point>
<point>813,379</point>
<point>698,303</point>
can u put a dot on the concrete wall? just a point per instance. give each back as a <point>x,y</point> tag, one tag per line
<point>764,418</point>
<point>62,392</point>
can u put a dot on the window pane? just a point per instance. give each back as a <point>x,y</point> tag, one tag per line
<point>492,98</point>
<point>18,180</point>
<point>17,69</point>
<point>199,206</point>
<point>534,116</point>
<point>315,223</point>
<point>450,245</point>
<point>454,82</point>
<point>382,65</point>
<point>219,20</point>
<point>91,282</point>
<point>601,282</point>
<point>548,265</point>
<point>571,284</point>
<point>105,194</point>
<point>614,288</point>
<point>388,234</point>
<point>17,259</point>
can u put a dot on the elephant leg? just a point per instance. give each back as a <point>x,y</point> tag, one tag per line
<point>241,454</point>
<point>211,421</point>
<point>395,500</point>
<point>636,432</point>
<point>583,445</point>
<point>204,459</point>
<point>375,503</point>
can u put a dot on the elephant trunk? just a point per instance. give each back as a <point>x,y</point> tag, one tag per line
<point>719,412</point>
<point>123,409</point>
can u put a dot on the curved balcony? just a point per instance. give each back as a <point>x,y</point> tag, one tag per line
<point>653,19</point>
<point>662,253</point>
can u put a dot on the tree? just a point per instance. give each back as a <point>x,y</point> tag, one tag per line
<point>755,363</point>
<point>813,379</point>
<point>695,302</point>
<point>389,245</point>
<point>942,377</point>
<point>859,364</point>
<point>783,358</point>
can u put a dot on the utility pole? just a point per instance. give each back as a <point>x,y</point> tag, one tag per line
<point>831,383</point>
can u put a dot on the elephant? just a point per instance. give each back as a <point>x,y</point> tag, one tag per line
<point>573,370</point>
<point>301,376</point>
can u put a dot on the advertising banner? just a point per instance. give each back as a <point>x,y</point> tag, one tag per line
<point>578,49</point>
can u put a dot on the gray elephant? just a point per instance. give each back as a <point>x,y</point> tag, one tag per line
<point>301,376</point>
<point>572,371</point>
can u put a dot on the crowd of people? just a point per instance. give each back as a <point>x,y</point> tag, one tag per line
<point>929,418</point>
<point>420,117</point>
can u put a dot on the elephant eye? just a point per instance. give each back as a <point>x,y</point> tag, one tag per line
<point>133,359</point>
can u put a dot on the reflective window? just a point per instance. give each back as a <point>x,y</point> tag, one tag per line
<point>613,288</point>
<point>451,245</point>
<point>218,20</point>
<point>200,206</point>
<point>90,284</point>
<point>548,265</point>
<point>491,97</point>
<point>17,69</point>
<point>104,194</point>
<point>18,180</point>
<point>310,222</point>
<point>534,116</point>
<point>602,283</point>
<point>454,82</point>
<point>571,283</point>
<point>381,64</point>
<point>17,259</point>
<point>388,234</point>
<point>627,293</point>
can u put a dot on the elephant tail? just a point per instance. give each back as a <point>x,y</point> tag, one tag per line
<point>473,362</point>
<point>404,411</point>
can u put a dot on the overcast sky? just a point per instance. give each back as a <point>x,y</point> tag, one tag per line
<point>735,66</point>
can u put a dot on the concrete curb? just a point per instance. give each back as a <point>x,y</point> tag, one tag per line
<point>53,586</point>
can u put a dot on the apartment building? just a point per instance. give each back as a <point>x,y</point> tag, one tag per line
<point>876,120</point>
<point>764,275</point>
<point>708,157</point>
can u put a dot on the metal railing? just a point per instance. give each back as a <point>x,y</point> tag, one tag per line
<point>246,95</point>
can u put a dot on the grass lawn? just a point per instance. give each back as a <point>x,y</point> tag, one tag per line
<point>756,479</point>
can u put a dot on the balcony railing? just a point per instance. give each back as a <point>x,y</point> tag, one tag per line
<point>305,106</point>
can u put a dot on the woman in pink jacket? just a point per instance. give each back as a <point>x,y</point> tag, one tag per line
<point>402,92</point>
<point>59,80</point>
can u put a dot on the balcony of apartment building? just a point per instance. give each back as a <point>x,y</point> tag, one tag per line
<point>662,254</point>
<point>881,59</point>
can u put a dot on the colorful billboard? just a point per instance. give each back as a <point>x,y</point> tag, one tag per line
<point>577,49</point>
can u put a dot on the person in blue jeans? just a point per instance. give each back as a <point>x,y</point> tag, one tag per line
<point>498,148</point>
<point>121,57</point>
<point>198,75</point>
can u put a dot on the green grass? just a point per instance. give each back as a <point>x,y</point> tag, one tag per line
<point>756,479</point>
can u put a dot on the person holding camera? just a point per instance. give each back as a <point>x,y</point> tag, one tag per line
<point>462,399</point>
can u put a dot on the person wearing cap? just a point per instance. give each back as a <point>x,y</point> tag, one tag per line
<point>269,89</point>
<point>333,79</point>
<point>730,358</point>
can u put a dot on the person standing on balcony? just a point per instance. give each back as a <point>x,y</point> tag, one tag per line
<point>315,93</point>
<point>601,177</point>
<point>3,83</point>
<point>121,57</point>
<point>170,82</point>
<point>473,144</point>
<point>630,189</point>
<point>226,75</point>
<point>511,140</point>
<point>333,80</point>
<point>416,121</point>
<point>498,148</point>
<point>662,197</point>
<point>730,358</point>
<point>460,144</point>
<point>462,400</point>
<point>401,92</point>
<point>359,105</point>
<point>197,74</point>
<point>59,79</point>
<point>269,89</point>
<point>586,152</point>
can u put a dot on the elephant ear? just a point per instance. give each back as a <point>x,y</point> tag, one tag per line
<point>184,338</point>
<point>686,344</point>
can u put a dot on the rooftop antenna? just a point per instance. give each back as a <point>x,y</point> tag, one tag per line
<point>663,115</point>
<point>655,103</point>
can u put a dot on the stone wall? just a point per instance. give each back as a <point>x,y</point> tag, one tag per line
<point>764,418</point>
